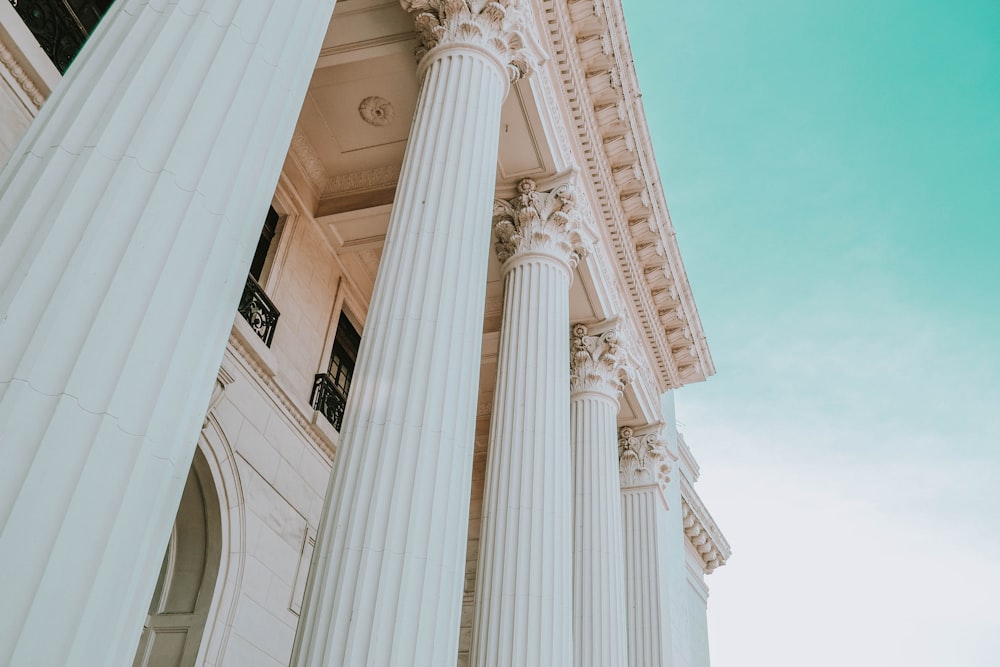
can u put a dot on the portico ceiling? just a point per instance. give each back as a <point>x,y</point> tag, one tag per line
<point>352,135</point>
<point>353,129</point>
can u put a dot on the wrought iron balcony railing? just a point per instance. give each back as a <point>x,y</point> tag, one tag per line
<point>258,311</point>
<point>329,399</point>
<point>61,26</point>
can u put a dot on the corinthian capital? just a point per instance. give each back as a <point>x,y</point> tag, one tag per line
<point>642,459</point>
<point>534,222</point>
<point>597,362</point>
<point>497,25</point>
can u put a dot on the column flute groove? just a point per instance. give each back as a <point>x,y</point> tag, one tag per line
<point>597,378</point>
<point>644,467</point>
<point>131,209</point>
<point>385,587</point>
<point>523,610</point>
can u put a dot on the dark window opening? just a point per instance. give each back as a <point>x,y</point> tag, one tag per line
<point>330,389</point>
<point>61,26</point>
<point>255,306</point>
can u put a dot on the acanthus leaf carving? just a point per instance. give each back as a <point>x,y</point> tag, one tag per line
<point>642,459</point>
<point>497,25</point>
<point>537,222</point>
<point>597,362</point>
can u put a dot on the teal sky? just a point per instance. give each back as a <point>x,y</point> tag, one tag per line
<point>833,172</point>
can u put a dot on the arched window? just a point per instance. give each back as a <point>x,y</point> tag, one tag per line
<point>180,605</point>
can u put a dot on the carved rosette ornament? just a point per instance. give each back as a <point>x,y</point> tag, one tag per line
<point>642,459</point>
<point>542,223</point>
<point>597,362</point>
<point>377,111</point>
<point>498,26</point>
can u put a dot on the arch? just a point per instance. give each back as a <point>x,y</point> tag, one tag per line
<point>193,604</point>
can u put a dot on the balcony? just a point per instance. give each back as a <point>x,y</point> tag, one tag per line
<point>329,399</point>
<point>258,311</point>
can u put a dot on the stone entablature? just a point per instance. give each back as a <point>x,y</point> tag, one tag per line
<point>701,530</point>
<point>595,65</point>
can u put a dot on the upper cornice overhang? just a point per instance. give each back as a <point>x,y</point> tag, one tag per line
<point>701,530</point>
<point>589,45</point>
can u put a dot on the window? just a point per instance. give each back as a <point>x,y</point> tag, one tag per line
<point>330,389</point>
<point>61,26</point>
<point>255,306</point>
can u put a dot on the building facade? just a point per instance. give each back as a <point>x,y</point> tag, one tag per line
<point>368,315</point>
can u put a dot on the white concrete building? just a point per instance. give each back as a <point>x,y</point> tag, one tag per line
<point>434,426</point>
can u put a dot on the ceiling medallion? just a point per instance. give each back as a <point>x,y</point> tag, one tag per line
<point>377,111</point>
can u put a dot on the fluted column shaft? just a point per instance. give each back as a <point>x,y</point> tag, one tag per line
<point>385,586</point>
<point>644,467</point>
<point>523,613</point>
<point>130,211</point>
<point>599,557</point>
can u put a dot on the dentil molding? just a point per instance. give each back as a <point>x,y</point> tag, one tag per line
<point>701,530</point>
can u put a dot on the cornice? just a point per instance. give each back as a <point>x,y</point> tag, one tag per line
<point>687,458</point>
<point>701,530</point>
<point>589,46</point>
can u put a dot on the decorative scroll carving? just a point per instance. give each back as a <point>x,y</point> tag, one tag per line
<point>258,310</point>
<point>498,25</point>
<point>642,459</point>
<point>597,362</point>
<point>539,222</point>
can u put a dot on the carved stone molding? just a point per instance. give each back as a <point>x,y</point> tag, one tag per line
<point>643,459</point>
<point>597,362</point>
<point>499,26</point>
<point>377,111</point>
<point>702,531</point>
<point>589,46</point>
<point>547,223</point>
<point>30,91</point>
<point>222,380</point>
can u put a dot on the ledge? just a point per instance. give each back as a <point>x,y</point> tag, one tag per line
<point>702,531</point>
<point>591,52</point>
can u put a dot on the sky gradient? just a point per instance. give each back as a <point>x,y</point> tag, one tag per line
<point>833,173</point>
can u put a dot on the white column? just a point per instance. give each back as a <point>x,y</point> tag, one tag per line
<point>645,468</point>
<point>385,587</point>
<point>599,558</point>
<point>130,211</point>
<point>524,580</point>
